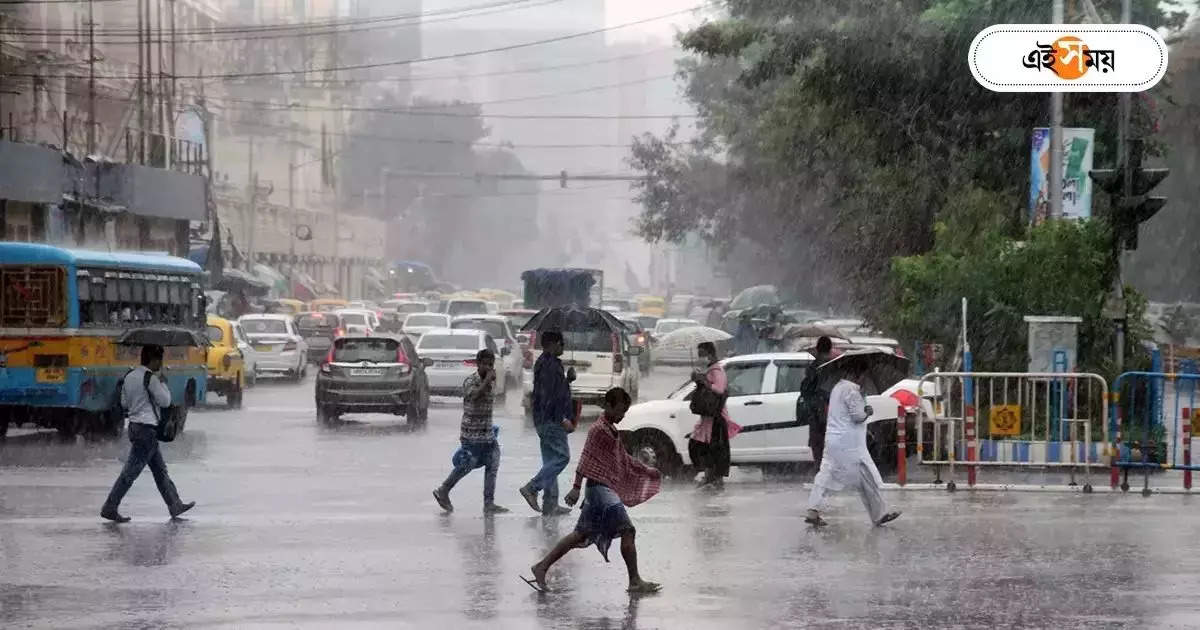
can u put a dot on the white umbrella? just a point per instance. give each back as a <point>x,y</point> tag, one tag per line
<point>690,337</point>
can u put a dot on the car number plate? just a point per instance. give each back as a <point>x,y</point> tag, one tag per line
<point>261,348</point>
<point>365,372</point>
<point>446,364</point>
<point>51,375</point>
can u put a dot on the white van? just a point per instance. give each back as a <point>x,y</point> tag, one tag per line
<point>602,358</point>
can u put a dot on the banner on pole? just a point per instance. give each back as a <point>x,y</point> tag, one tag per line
<point>1078,146</point>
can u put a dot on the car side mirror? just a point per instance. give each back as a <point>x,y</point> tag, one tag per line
<point>505,351</point>
<point>635,350</point>
<point>427,362</point>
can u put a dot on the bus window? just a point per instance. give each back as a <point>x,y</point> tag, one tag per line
<point>83,286</point>
<point>138,289</point>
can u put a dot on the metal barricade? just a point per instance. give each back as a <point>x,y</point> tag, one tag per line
<point>1013,419</point>
<point>1154,416</point>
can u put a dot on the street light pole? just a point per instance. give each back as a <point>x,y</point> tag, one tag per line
<point>292,230</point>
<point>1056,136</point>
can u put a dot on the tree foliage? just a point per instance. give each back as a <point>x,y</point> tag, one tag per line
<point>836,135</point>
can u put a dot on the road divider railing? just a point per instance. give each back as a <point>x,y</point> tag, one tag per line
<point>1154,416</point>
<point>1048,420</point>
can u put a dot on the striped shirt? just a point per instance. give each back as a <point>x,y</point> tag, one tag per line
<point>477,410</point>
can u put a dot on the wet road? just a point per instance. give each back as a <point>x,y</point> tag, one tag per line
<point>302,526</point>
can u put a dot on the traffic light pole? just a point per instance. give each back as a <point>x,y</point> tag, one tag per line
<point>1127,192</point>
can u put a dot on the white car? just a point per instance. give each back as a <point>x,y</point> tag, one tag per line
<point>677,356</point>
<point>602,359</point>
<point>277,345</point>
<point>417,324</point>
<point>450,356</point>
<point>358,321</point>
<point>762,395</point>
<point>465,306</point>
<point>501,331</point>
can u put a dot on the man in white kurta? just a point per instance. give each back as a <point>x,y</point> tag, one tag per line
<point>847,462</point>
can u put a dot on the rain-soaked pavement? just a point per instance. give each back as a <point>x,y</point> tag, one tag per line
<point>300,526</point>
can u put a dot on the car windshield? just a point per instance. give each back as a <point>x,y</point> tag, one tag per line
<point>214,333</point>
<point>264,326</point>
<point>315,321</point>
<point>493,328</point>
<point>411,307</point>
<point>377,350</point>
<point>683,391</point>
<point>665,327</point>
<point>632,325</point>
<point>354,319</point>
<point>467,308</point>
<point>593,340</point>
<point>449,342</point>
<point>425,320</point>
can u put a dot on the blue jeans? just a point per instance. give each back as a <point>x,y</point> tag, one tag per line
<point>477,455</point>
<point>143,452</point>
<point>556,454</point>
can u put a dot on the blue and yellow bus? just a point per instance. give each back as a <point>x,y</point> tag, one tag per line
<point>61,312</point>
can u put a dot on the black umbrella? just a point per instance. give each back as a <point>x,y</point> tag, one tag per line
<point>883,368</point>
<point>162,336</point>
<point>562,318</point>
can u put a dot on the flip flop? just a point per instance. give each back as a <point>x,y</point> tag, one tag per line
<point>887,518</point>
<point>815,522</point>
<point>533,584</point>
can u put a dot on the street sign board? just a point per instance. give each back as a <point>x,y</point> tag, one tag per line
<point>1004,420</point>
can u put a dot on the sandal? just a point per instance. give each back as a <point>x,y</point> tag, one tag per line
<point>887,518</point>
<point>815,521</point>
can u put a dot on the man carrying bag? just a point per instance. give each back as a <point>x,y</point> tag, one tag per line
<point>144,396</point>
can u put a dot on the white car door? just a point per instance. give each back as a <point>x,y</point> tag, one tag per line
<point>746,405</point>
<point>783,439</point>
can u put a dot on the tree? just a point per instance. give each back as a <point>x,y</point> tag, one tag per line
<point>842,134</point>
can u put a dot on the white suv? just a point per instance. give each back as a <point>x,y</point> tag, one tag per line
<point>602,359</point>
<point>762,395</point>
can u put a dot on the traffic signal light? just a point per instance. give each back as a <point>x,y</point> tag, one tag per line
<point>1133,206</point>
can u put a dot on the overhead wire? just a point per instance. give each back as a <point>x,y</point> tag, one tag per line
<point>299,26</point>
<point>406,62</point>
<point>130,39</point>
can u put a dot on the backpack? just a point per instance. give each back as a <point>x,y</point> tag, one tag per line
<point>167,426</point>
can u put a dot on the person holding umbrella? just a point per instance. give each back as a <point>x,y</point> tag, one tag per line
<point>814,398</point>
<point>847,463</point>
<point>553,418</point>
<point>708,446</point>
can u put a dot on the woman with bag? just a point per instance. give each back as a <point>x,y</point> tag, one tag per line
<point>709,443</point>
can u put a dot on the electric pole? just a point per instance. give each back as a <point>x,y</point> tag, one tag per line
<point>91,134</point>
<point>1056,137</point>
<point>252,212</point>
<point>141,85</point>
<point>1123,155</point>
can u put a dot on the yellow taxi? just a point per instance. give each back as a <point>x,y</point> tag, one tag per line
<point>650,305</point>
<point>325,305</point>
<point>226,361</point>
<point>291,306</point>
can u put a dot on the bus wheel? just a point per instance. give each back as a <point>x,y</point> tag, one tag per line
<point>3,428</point>
<point>67,426</point>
